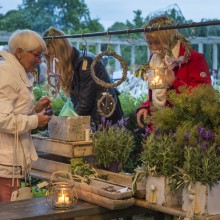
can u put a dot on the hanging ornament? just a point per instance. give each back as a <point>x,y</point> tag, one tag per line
<point>106,104</point>
<point>53,78</point>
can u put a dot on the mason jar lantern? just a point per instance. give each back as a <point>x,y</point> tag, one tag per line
<point>61,194</point>
<point>157,78</point>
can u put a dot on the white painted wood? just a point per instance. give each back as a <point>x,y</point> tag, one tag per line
<point>163,195</point>
<point>206,200</point>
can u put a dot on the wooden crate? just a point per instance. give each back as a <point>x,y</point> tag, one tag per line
<point>63,148</point>
<point>104,201</point>
<point>202,199</point>
<point>125,180</point>
<point>100,187</point>
<point>55,155</point>
<point>158,192</point>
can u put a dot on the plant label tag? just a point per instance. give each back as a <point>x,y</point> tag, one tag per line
<point>84,65</point>
<point>122,190</point>
<point>43,184</point>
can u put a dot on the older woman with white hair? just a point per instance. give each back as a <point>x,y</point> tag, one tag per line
<point>18,115</point>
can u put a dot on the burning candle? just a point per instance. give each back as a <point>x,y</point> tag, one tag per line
<point>63,199</point>
<point>156,79</point>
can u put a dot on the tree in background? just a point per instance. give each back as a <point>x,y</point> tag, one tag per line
<point>71,16</point>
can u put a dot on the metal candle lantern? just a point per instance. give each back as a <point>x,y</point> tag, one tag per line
<point>157,78</point>
<point>61,194</point>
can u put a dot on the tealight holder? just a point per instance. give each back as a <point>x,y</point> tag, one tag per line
<point>157,78</point>
<point>61,194</point>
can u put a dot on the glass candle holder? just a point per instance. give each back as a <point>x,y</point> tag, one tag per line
<point>61,195</point>
<point>157,78</point>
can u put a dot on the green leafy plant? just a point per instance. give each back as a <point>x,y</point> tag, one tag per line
<point>81,171</point>
<point>112,143</point>
<point>191,118</point>
<point>129,105</point>
<point>161,154</point>
<point>201,159</point>
<point>198,106</point>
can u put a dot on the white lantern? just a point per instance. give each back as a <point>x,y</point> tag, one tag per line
<point>157,78</point>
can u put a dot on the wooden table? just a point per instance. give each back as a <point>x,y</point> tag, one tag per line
<point>38,209</point>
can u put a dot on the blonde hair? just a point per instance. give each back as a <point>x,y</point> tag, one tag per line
<point>27,40</point>
<point>62,49</point>
<point>162,36</point>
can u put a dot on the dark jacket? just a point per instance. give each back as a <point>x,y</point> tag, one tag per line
<point>85,91</point>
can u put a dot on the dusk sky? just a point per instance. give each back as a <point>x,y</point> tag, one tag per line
<point>110,11</point>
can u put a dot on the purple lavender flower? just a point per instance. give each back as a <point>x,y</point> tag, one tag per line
<point>204,145</point>
<point>208,134</point>
<point>187,136</point>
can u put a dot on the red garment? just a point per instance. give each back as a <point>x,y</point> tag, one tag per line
<point>6,188</point>
<point>190,74</point>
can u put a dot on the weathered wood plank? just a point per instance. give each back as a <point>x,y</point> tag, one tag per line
<point>39,209</point>
<point>174,211</point>
<point>124,179</point>
<point>63,148</point>
<point>39,174</point>
<point>49,166</point>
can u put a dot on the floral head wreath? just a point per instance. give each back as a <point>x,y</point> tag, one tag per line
<point>51,32</point>
<point>160,24</point>
<point>175,38</point>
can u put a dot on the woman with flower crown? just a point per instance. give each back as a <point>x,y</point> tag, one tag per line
<point>183,66</point>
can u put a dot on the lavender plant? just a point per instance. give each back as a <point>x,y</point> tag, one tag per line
<point>201,159</point>
<point>112,143</point>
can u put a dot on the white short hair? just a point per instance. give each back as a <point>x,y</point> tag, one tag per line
<point>27,40</point>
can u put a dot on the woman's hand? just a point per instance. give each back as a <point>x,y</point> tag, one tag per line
<point>42,104</point>
<point>141,115</point>
<point>43,119</point>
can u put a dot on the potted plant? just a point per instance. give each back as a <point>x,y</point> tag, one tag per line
<point>161,154</point>
<point>192,121</point>
<point>112,145</point>
<point>200,175</point>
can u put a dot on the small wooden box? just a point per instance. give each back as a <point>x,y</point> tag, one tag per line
<point>68,128</point>
<point>55,155</point>
<point>203,201</point>
<point>158,192</point>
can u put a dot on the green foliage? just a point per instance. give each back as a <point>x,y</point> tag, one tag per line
<point>81,172</point>
<point>201,159</point>
<point>57,103</point>
<point>39,91</point>
<point>112,144</point>
<point>38,192</point>
<point>199,106</point>
<point>192,118</point>
<point>129,105</point>
<point>161,154</point>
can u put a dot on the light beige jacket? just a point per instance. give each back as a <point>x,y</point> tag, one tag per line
<point>16,108</point>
